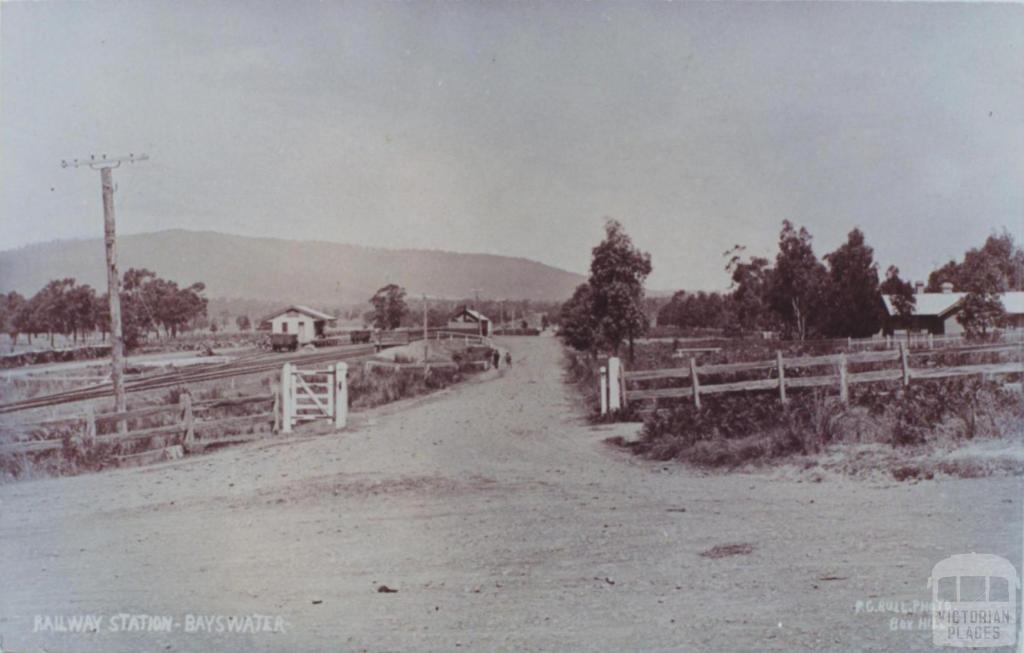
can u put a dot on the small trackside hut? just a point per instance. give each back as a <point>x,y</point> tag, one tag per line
<point>296,325</point>
<point>468,320</point>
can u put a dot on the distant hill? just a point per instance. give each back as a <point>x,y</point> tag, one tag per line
<point>287,270</point>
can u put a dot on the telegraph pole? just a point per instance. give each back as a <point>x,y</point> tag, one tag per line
<point>426,339</point>
<point>476,293</point>
<point>105,165</point>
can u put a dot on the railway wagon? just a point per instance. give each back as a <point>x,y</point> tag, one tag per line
<point>360,336</point>
<point>284,341</point>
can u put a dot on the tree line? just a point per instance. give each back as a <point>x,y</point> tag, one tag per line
<point>149,303</point>
<point>797,295</point>
<point>840,295</point>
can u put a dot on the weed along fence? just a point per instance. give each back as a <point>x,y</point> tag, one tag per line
<point>621,389</point>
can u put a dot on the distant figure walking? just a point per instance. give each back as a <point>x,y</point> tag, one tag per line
<point>497,358</point>
<point>508,359</point>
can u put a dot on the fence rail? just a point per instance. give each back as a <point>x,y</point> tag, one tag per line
<point>619,387</point>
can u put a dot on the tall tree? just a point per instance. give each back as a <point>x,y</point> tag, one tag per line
<point>984,280</point>
<point>701,310</point>
<point>149,302</point>
<point>1000,256</point>
<point>996,266</point>
<point>389,307</point>
<point>948,273</point>
<point>751,282</point>
<point>51,306</point>
<point>617,274</point>
<point>900,292</point>
<point>11,306</point>
<point>30,318</point>
<point>179,306</point>
<point>853,299</point>
<point>80,310</point>
<point>798,281</point>
<point>578,327</point>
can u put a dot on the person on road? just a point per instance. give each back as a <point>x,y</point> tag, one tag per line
<point>508,359</point>
<point>497,358</point>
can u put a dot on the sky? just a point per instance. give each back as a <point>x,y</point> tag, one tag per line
<point>519,128</point>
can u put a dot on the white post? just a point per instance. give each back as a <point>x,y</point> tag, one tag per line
<point>782,375</point>
<point>287,398</point>
<point>905,364</point>
<point>844,388</point>
<point>340,395</point>
<point>614,384</point>
<point>604,390</point>
<point>695,382</point>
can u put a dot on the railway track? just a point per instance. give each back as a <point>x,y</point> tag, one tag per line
<point>258,364</point>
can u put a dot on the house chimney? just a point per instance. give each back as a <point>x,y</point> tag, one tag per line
<point>918,287</point>
<point>947,286</point>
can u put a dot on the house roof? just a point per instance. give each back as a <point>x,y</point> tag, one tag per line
<point>476,315</point>
<point>942,304</point>
<point>315,314</point>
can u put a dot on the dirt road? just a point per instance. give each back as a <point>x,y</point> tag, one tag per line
<point>503,523</point>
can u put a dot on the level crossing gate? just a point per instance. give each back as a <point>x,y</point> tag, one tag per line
<point>314,394</point>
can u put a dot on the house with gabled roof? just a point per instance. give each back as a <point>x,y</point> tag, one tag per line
<point>467,318</point>
<point>306,323</point>
<point>936,312</point>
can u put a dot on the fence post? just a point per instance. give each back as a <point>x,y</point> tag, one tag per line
<point>188,438</point>
<point>340,395</point>
<point>275,389</point>
<point>695,381</point>
<point>782,376</point>
<point>89,436</point>
<point>604,390</point>
<point>614,381</point>
<point>905,364</point>
<point>624,396</point>
<point>844,390</point>
<point>286,398</point>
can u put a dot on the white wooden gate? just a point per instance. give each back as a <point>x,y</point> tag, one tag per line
<point>311,394</point>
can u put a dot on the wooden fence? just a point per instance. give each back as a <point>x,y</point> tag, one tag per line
<point>195,425</point>
<point>619,388</point>
<point>303,394</point>
<point>400,337</point>
<point>921,341</point>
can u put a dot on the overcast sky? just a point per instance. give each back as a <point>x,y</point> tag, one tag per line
<point>517,128</point>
